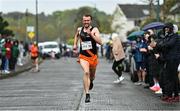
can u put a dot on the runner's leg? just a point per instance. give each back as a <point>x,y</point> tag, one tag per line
<point>86,79</point>
<point>36,63</point>
<point>92,76</point>
<point>92,73</point>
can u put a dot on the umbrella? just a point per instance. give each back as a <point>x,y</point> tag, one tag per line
<point>153,25</point>
<point>134,35</point>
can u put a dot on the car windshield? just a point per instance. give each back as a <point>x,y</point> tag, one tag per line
<point>50,46</point>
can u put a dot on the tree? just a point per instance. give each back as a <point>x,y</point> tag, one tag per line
<point>58,25</point>
<point>168,4</point>
<point>3,28</point>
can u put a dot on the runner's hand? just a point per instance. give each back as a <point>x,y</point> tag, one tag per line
<point>89,32</point>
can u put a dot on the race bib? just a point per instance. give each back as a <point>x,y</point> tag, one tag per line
<point>86,45</point>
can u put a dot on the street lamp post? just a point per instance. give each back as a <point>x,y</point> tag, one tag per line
<point>37,35</point>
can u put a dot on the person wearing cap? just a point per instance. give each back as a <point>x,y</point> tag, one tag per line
<point>34,56</point>
<point>119,55</point>
<point>171,54</point>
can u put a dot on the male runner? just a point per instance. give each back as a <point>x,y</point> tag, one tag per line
<point>89,36</point>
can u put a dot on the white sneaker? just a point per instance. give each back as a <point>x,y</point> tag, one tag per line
<point>121,78</point>
<point>143,84</point>
<point>138,83</point>
<point>117,81</point>
<point>6,71</point>
<point>159,91</point>
<point>20,64</point>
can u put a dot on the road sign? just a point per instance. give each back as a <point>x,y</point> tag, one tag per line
<point>31,35</point>
<point>30,28</point>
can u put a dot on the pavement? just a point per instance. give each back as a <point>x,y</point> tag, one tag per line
<point>59,86</point>
<point>27,65</point>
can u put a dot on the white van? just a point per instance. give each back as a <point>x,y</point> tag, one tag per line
<point>46,49</point>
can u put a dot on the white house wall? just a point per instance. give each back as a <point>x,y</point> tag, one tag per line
<point>121,24</point>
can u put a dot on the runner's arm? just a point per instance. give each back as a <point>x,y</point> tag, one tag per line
<point>96,35</point>
<point>76,38</point>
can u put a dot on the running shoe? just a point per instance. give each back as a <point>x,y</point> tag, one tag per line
<point>143,84</point>
<point>87,98</point>
<point>117,81</point>
<point>155,88</point>
<point>138,83</point>
<point>7,72</point>
<point>91,85</point>
<point>121,78</point>
<point>159,91</point>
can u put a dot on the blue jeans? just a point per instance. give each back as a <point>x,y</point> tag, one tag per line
<point>7,64</point>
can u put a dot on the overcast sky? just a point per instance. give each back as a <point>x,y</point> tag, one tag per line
<point>48,6</point>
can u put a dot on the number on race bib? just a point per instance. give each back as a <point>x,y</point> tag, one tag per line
<point>86,45</point>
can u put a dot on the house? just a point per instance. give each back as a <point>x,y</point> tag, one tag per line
<point>127,17</point>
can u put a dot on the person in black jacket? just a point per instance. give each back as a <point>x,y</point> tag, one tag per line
<point>152,62</point>
<point>171,52</point>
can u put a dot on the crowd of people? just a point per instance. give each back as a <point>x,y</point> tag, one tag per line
<point>14,52</point>
<point>157,60</point>
<point>157,57</point>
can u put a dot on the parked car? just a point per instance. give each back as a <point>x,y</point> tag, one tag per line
<point>133,71</point>
<point>47,48</point>
<point>126,62</point>
<point>130,65</point>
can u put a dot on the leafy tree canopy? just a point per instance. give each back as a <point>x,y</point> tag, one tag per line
<point>60,24</point>
<point>3,28</point>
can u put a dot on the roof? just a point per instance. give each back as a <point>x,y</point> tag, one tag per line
<point>133,11</point>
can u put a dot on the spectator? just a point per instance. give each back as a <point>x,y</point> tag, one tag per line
<point>139,56</point>
<point>15,54</point>
<point>153,65</point>
<point>119,55</point>
<point>170,45</point>
<point>3,55</point>
<point>21,53</point>
<point>8,47</point>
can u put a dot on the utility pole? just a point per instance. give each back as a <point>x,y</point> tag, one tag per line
<point>26,24</point>
<point>37,35</point>
<point>158,11</point>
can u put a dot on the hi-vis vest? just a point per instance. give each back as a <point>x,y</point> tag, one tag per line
<point>34,51</point>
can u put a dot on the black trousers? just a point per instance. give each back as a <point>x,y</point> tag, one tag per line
<point>117,67</point>
<point>170,78</point>
<point>3,62</point>
<point>13,63</point>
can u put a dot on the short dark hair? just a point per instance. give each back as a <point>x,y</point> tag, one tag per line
<point>88,15</point>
